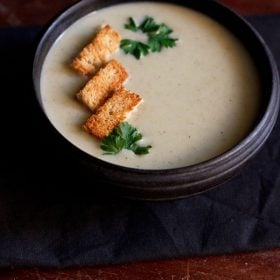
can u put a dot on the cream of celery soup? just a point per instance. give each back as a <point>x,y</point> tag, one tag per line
<point>200,97</point>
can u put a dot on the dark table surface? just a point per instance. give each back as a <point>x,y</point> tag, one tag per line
<point>256,265</point>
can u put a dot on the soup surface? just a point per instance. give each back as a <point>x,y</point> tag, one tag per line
<point>200,97</point>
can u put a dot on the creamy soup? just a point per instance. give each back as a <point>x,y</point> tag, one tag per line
<point>200,97</point>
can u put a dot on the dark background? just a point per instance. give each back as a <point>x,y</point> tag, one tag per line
<point>34,203</point>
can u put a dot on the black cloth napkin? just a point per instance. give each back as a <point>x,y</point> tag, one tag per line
<point>53,214</point>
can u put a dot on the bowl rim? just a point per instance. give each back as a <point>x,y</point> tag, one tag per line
<point>270,112</point>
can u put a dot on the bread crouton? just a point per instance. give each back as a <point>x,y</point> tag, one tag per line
<point>112,113</point>
<point>96,53</point>
<point>102,85</point>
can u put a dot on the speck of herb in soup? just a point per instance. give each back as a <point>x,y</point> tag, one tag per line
<point>158,37</point>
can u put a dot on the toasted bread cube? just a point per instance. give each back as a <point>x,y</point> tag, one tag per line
<point>112,113</point>
<point>97,53</point>
<point>102,85</point>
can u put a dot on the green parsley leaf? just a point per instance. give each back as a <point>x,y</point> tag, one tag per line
<point>148,25</point>
<point>140,150</point>
<point>164,30</point>
<point>160,39</point>
<point>128,133</point>
<point>131,25</point>
<point>135,48</point>
<point>154,44</point>
<point>124,136</point>
<point>112,144</point>
<point>157,42</point>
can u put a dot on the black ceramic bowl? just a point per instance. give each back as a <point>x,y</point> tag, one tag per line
<point>179,182</point>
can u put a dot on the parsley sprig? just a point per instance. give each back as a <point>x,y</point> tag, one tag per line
<point>158,37</point>
<point>124,136</point>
